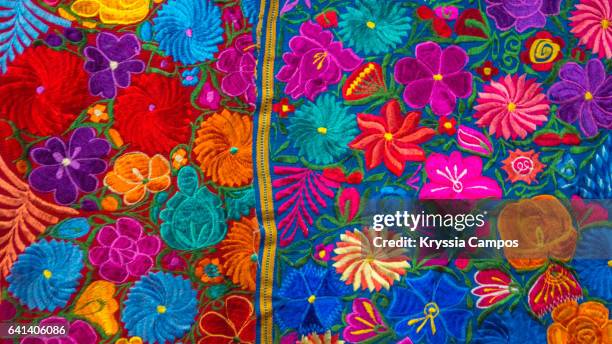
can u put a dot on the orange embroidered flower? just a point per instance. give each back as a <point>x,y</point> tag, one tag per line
<point>209,271</point>
<point>235,323</point>
<point>97,113</point>
<point>523,166</point>
<point>239,252</point>
<point>135,173</point>
<point>584,324</point>
<point>179,158</point>
<point>364,265</point>
<point>223,148</point>
<point>97,305</point>
<point>543,228</point>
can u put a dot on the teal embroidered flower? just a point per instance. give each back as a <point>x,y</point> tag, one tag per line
<point>322,130</point>
<point>374,26</point>
<point>194,217</point>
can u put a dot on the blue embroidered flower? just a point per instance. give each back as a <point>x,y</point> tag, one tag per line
<point>46,274</point>
<point>596,178</point>
<point>160,308</point>
<point>374,26</point>
<point>432,307</point>
<point>190,77</point>
<point>322,130</point>
<point>189,30</point>
<point>516,327</point>
<point>309,300</point>
<point>592,263</point>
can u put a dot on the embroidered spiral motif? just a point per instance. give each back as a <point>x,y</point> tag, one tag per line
<point>543,51</point>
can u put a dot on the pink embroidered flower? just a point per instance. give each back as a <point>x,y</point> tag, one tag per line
<point>592,24</point>
<point>555,286</point>
<point>511,107</point>
<point>315,61</point>
<point>364,322</point>
<point>434,77</point>
<point>238,62</point>
<point>124,251</point>
<point>494,286</point>
<point>348,203</point>
<point>455,177</point>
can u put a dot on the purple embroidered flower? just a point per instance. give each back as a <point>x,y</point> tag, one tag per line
<point>68,169</point>
<point>434,77</point>
<point>239,64</point>
<point>521,14</point>
<point>124,251</point>
<point>112,62</point>
<point>315,61</point>
<point>209,96</point>
<point>584,94</point>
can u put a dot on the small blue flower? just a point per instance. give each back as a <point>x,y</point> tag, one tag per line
<point>432,307</point>
<point>189,30</point>
<point>322,130</point>
<point>72,228</point>
<point>374,26</point>
<point>160,308</point>
<point>592,263</point>
<point>516,327</point>
<point>309,300</point>
<point>190,77</point>
<point>46,274</point>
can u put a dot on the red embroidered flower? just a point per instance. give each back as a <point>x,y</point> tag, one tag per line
<point>487,71</point>
<point>447,126</point>
<point>283,108</point>
<point>392,138</point>
<point>235,323</point>
<point>439,24</point>
<point>44,91</point>
<point>523,166</point>
<point>494,286</point>
<point>542,51</point>
<point>555,286</point>
<point>154,114</point>
<point>327,19</point>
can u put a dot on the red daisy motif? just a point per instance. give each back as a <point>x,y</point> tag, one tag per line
<point>487,71</point>
<point>154,113</point>
<point>392,138</point>
<point>44,91</point>
<point>523,166</point>
<point>447,126</point>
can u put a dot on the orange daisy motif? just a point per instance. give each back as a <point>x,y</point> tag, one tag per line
<point>98,113</point>
<point>523,166</point>
<point>209,270</point>
<point>364,265</point>
<point>134,174</point>
<point>223,148</point>
<point>239,252</point>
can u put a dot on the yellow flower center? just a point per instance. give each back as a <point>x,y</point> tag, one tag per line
<point>437,77</point>
<point>511,107</point>
<point>322,130</point>
<point>605,24</point>
<point>388,136</point>
<point>588,96</point>
<point>322,254</point>
<point>47,273</point>
<point>97,112</point>
<point>487,71</point>
<point>161,309</point>
<point>66,162</point>
<point>311,299</point>
<point>285,108</point>
<point>371,24</point>
<point>448,125</point>
<point>610,263</point>
<point>113,65</point>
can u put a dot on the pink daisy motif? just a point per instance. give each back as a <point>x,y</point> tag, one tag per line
<point>455,177</point>
<point>511,107</point>
<point>592,24</point>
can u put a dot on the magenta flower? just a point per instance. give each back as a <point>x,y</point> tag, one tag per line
<point>453,177</point>
<point>124,251</point>
<point>209,96</point>
<point>238,63</point>
<point>78,332</point>
<point>364,322</point>
<point>474,141</point>
<point>434,77</point>
<point>315,61</point>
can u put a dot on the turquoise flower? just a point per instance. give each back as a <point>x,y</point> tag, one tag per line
<point>46,274</point>
<point>160,308</point>
<point>322,130</point>
<point>189,30</point>
<point>374,26</point>
<point>190,77</point>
